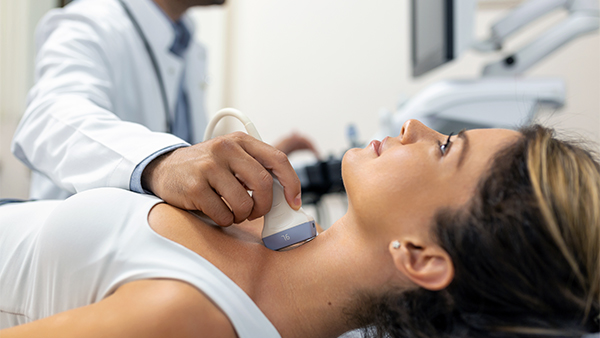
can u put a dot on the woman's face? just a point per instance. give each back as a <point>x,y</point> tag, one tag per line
<point>403,181</point>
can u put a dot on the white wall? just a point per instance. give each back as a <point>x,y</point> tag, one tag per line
<point>17,24</point>
<point>212,30</point>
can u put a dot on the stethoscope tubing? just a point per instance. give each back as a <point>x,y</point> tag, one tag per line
<point>152,57</point>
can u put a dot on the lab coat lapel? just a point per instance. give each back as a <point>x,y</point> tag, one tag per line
<point>159,33</point>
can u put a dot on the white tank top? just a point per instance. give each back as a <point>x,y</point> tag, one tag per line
<point>60,255</point>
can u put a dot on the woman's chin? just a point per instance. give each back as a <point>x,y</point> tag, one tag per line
<point>347,162</point>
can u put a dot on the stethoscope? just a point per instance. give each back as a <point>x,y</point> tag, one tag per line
<point>161,83</point>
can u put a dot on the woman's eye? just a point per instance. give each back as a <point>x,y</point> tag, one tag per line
<point>444,147</point>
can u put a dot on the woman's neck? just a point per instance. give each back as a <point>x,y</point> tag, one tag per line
<point>317,283</point>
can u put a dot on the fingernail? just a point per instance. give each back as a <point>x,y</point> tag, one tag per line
<point>298,200</point>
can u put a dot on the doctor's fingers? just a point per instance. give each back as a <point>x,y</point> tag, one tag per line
<point>225,184</point>
<point>211,204</point>
<point>256,179</point>
<point>276,161</point>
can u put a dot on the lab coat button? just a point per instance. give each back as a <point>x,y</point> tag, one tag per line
<point>171,71</point>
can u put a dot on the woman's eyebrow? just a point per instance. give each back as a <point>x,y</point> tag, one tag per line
<point>463,151</point>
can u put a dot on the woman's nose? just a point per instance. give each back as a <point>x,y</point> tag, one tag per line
<point>414,130</point>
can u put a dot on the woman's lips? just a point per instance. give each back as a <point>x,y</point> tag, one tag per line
<point>382,144</point>
<point>376,146</point>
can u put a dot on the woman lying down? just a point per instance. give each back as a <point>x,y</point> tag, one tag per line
<point>487,233</point>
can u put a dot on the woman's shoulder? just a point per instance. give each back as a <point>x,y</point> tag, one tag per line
<point>174,308</point>
<point>146,308</point>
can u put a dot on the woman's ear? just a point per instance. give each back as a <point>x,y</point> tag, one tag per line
<point>428,266</point>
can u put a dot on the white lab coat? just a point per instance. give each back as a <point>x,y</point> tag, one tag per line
<point>95,111</point>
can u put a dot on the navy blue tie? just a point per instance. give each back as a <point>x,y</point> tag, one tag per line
<point>181,127</point>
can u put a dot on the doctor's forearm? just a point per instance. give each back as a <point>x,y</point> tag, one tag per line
<point>82,146</point>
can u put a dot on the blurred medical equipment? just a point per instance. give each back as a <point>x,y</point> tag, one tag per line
<point>284,227</point>
<point>582,19</point>
<point>443,29</point>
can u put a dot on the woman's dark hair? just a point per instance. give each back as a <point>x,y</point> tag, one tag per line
<point>525,252</point>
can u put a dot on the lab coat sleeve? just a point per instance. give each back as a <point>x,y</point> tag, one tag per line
<point>69,132</point>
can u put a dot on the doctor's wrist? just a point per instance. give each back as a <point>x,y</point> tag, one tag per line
<point>152,173</point>
<point>135,183</point>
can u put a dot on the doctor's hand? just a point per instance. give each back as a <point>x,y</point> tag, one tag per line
<point>201,176</point>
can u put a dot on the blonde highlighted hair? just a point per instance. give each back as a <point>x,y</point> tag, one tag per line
<point>566,182</point>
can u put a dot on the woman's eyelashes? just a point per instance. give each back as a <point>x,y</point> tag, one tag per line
<point>446,146</point>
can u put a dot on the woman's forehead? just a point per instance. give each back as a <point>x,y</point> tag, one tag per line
<point>481,141</point>
<point>499,133</point>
